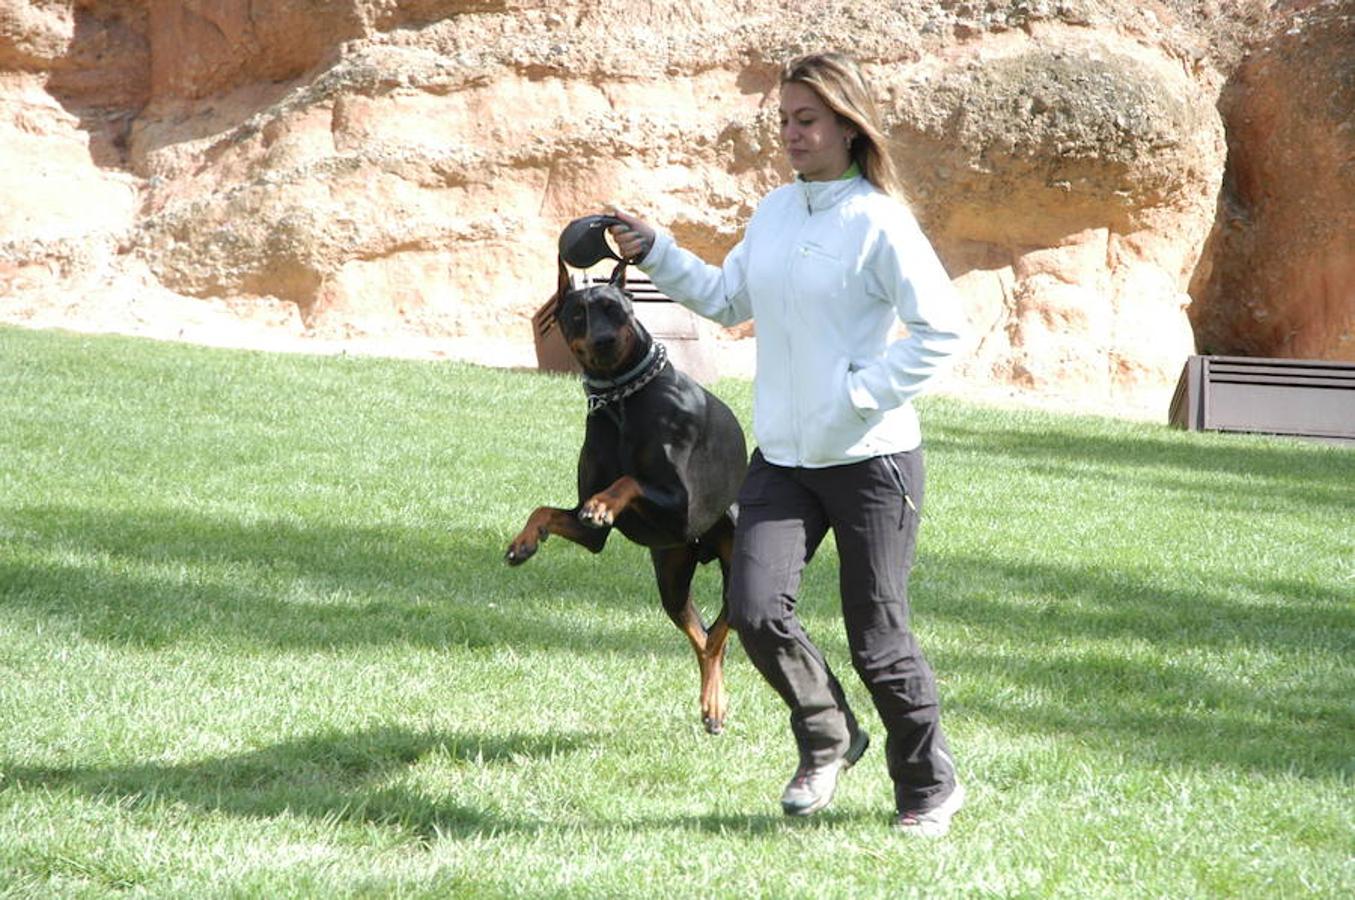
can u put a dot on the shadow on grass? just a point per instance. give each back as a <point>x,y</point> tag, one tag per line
<point>1307,475</point>
<point>758,824</point>
<point>330,777</point>
<point>355,778</point>
<point>1039,602</point>
<point>160,576</point>
<point>1253,674</point>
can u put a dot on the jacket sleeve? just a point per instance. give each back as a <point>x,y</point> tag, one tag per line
<point>716,292</point>
<point>903,270</point>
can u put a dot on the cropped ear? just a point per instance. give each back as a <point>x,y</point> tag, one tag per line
<point>551,316</point>
<point>618,278</point>
<point>562,282</point>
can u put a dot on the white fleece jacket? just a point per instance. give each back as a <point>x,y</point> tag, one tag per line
<point>826,269</point>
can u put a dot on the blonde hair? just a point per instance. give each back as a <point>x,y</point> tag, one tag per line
<point>837,79</point>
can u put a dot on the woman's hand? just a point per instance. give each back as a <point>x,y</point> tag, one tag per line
<point>634,238</point>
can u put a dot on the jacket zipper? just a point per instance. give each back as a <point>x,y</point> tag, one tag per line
<point>794,398</point>
<point>788,325</point>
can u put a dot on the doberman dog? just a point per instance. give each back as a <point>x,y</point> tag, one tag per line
<point>662,461</point>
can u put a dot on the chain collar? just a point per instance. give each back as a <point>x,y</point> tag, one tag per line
<point>604,391</point>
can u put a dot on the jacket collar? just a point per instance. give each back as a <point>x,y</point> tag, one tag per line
<point>821,195</point>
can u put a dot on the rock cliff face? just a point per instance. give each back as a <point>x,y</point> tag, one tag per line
<point>1279,272</point>
<point>391,175</point>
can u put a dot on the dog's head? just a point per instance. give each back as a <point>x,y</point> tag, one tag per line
<point>598,324</point>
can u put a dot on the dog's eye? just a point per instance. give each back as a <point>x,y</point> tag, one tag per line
<point>570,314</point>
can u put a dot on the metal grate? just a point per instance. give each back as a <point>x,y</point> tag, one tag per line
<point>678,328</point>
<point>1297,397</point>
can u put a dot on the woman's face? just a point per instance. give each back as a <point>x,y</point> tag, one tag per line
<point>815,139</point>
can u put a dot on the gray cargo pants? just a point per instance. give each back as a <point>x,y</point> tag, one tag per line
<point>784,513</point>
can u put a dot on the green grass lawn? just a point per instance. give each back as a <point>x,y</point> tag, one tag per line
<point>257,639</point>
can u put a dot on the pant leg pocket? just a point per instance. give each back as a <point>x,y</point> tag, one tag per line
<point>900,482</point>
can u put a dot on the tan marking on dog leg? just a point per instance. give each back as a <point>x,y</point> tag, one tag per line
<point>545,521</point>
<point>714,700</point>
<point>602,508</point>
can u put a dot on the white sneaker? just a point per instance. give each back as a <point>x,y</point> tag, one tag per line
<point>812,787</point>
<point>933,822</point>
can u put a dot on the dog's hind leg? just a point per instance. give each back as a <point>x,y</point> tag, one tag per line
<point>547,520</point>
<point>713,696</point>
<point>674,568</point>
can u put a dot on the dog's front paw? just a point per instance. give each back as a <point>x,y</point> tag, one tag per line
<point>596,513</point>
<point>520,550</point>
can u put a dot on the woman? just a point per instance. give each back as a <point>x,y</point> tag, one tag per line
<point>827,266</point>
